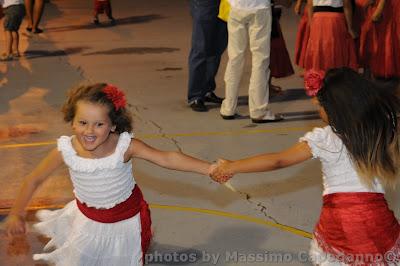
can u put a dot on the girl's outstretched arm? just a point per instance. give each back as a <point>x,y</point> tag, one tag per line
<point>266,162</point>
<point>15,223</point>
<point>167,159</point>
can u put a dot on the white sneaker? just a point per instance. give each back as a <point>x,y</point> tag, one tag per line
<point>269,117</point>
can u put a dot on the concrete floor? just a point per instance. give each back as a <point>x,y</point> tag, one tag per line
<point>268,216</point>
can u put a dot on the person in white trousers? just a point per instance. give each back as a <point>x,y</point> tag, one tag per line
<point>249,22</point>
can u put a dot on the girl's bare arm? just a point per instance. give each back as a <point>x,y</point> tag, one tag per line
<point>15,220</point>
<point>348,14</point>
<point>34,179</point>
<point>297,7</point>
<point>168,159</point>
<point>267,162</point>
<point>379,10</point>
<point>310,10</point>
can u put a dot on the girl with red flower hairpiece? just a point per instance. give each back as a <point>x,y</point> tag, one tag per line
<point>109,221</point>
<point>359,152</point>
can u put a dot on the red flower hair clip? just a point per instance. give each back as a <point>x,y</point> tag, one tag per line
<point>116,96</point>
<point>313,80</point>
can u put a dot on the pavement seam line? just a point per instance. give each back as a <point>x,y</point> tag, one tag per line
<point>231,215</point>
<point>171,136</point>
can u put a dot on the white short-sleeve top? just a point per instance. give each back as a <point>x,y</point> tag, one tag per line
<point>339,174</point>
<point>103,182</point>
<point>332,3</point>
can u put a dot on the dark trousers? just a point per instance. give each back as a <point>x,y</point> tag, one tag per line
<point>209,41</point>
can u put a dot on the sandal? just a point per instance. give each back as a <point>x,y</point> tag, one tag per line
<point>275,90</point>
<point>4,57</point>
<point>16,54</point>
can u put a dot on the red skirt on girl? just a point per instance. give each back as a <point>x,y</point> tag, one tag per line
<point>358,228</point>
<point>329,45</point>
<point>380,41</point>
<point>303,33</point>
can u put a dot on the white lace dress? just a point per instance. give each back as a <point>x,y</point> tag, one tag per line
<point>100,183</point>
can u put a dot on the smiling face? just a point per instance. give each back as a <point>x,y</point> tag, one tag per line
<point>92,125</point>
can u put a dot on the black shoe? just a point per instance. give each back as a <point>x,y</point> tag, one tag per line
<point>212,98</point>
<point>198,106</point>
<point>37,31</point>
<point>29,29</point>
<point>229,117</point>
<point>96,21</point>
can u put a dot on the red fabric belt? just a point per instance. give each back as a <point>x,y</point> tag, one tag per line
<point>357,223</point>
<point>133,205</point>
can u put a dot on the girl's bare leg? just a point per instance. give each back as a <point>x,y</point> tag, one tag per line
<point>29,8</point>
<point>15,43</point>
<point>37,14</point>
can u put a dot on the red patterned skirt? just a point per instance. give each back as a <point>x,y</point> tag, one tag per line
<point>133,205</point>
<point>358,229</point>
<point>329,44</point>
<point>303,33</point>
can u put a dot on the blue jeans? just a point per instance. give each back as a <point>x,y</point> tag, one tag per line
<point>209,41</point>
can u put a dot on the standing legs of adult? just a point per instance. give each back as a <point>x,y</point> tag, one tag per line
<point>209,40</point>
<point>34,11</point>
<point>253,27</point>
<point>260,45</point>
<point>238,41</point>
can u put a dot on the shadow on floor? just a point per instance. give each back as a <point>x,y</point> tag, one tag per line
<point>107,24</point>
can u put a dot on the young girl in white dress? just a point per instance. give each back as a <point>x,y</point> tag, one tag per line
<point>109,222</point>
<point>359,152</point>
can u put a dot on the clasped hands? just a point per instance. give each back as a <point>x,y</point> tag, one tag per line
<point>220,172</point>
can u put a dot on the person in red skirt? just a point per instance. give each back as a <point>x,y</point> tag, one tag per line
<point>380,39</point>
<point>100,7</point>
<point>303,33</point>
<point>280,64</point>
<point>331,41</point>
<point>359,153</point>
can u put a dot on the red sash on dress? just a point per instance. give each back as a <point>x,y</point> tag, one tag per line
<point>358,229</point>
<point>133,205</point>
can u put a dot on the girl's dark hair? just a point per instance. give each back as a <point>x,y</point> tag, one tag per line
<point>121,118</point>
<point>364,115</point>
